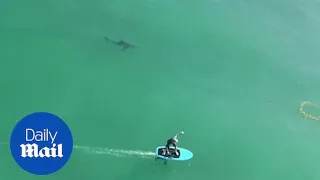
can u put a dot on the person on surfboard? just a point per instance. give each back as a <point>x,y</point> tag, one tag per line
<point>172,141</point>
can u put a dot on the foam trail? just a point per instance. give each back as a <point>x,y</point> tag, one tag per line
<point>111,152</point>
<point>116,152</point>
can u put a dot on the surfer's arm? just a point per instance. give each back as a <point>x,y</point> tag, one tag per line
<point>176,136</point>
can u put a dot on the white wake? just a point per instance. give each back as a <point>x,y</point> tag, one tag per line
<point>116,152</point>
<point>3,143</point>
<point>111,152</point>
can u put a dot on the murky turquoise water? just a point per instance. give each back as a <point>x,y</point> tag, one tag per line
<point>231,74</point>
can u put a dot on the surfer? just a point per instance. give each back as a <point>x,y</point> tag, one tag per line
<point>172,141</point>
<point>125,45</point>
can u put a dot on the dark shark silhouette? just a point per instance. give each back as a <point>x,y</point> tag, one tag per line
<point>125,45</point>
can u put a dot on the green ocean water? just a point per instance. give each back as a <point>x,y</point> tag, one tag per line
<point>231,74</point>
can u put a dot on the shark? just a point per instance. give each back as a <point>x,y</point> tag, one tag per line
<point>125,45</point>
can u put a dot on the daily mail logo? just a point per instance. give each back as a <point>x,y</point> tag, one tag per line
<point>41,143</point>
<point>32,150</point>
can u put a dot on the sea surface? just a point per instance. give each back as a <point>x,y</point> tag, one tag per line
<point>230,73</point>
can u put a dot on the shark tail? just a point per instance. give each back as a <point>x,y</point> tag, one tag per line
<point>107,38</point>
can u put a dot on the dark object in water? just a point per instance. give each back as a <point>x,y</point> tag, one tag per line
<point>125,45</point>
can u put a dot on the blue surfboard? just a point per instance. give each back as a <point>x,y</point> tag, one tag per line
<point>183,154</point>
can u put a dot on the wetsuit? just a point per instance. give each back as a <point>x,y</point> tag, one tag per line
<point>173,142</point>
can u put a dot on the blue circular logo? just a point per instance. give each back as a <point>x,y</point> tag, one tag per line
<point>41,143</point>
